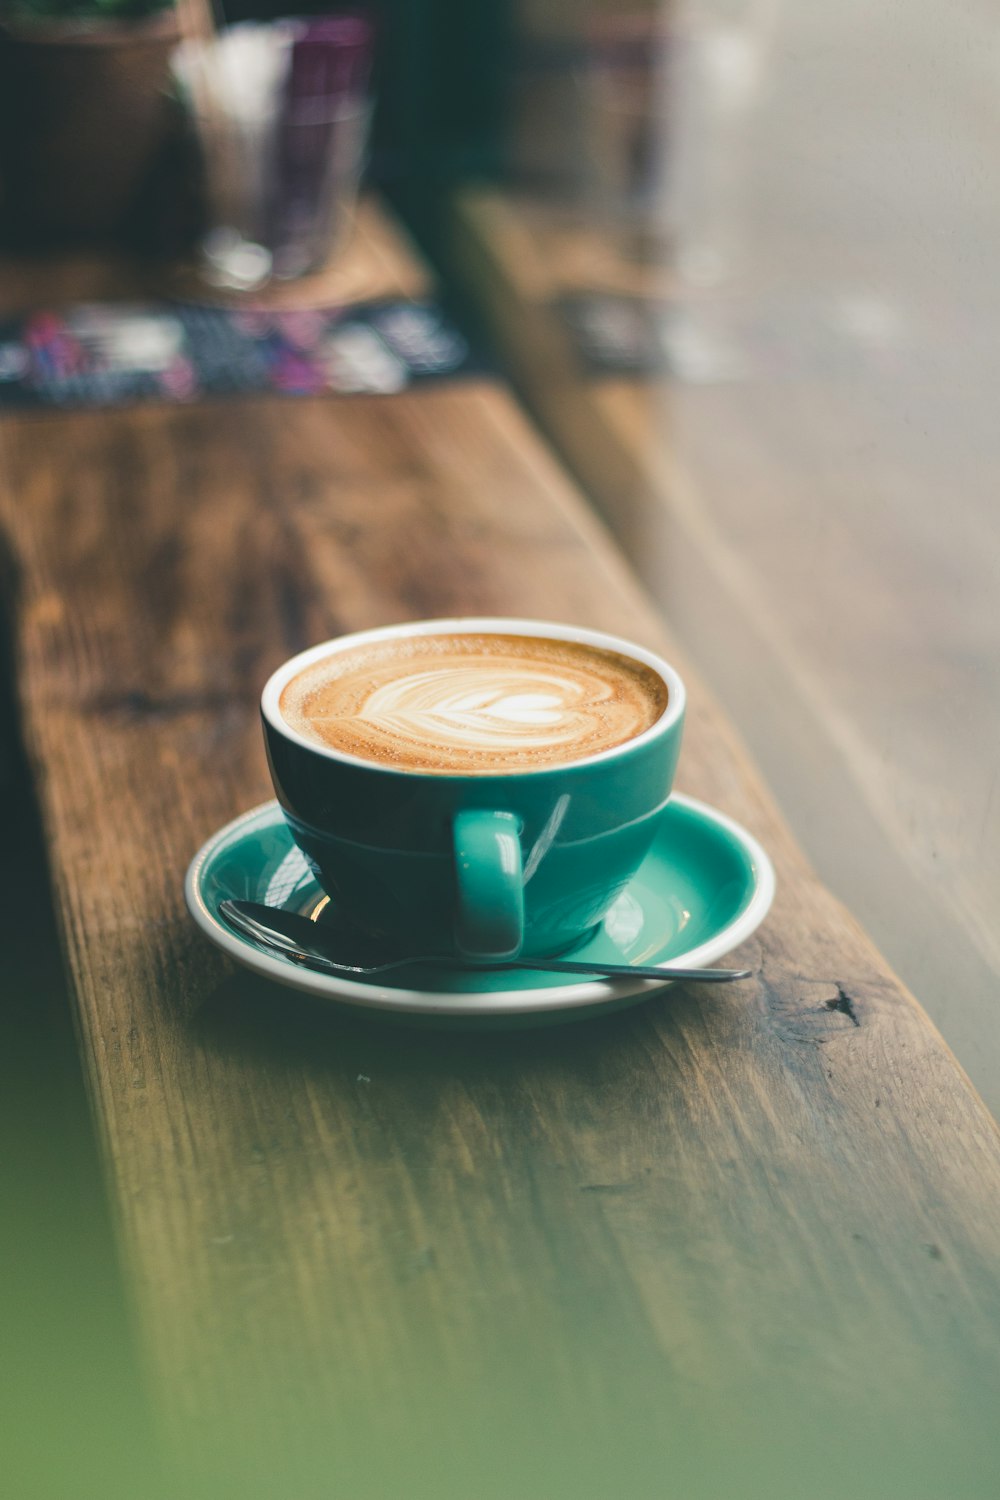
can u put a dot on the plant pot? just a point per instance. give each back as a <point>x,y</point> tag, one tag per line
<point>84,113</point>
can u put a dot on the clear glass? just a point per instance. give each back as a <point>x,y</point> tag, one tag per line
<point>282,115</point>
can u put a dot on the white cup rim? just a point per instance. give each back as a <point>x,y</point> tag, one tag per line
<point>478,625</point>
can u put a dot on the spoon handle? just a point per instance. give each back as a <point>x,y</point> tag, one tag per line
<point>612,971</point>
<point>299,940</point>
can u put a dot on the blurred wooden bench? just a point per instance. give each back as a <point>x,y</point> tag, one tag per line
<point>770,451</point>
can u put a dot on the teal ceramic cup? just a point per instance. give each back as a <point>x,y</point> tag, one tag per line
<point>490,866</point>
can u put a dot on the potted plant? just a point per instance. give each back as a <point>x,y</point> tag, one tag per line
<point>84,111</point>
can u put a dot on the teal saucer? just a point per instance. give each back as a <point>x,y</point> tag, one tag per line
<point>704,886</point>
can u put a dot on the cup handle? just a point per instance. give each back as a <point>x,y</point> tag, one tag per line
<point>489,918</point>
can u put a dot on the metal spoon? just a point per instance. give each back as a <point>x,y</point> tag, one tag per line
<point>311,944</point>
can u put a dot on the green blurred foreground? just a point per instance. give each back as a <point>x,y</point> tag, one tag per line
<point>73,1422</point>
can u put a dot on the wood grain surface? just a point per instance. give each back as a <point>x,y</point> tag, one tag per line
<point>738,1240</point>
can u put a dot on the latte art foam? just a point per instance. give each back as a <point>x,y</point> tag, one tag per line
<point>473,704</point>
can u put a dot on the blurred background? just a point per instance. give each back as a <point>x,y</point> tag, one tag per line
<point>738,258</point>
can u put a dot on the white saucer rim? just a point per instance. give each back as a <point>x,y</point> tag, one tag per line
<point>589,992</point>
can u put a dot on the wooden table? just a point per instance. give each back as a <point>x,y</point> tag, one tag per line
<point>740,1240</point>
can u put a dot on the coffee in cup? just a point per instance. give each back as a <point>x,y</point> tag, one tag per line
<point>473,704</point>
